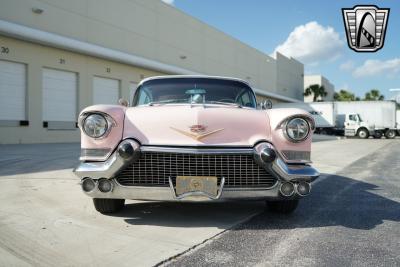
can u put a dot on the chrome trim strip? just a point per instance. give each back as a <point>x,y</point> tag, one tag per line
<point>197,150</point>
<point>294,172</point>
<point>288,156</point>
<point>104,169</point>
<point>96,170</point>
<point>90,154</point>
<point>225,188</point>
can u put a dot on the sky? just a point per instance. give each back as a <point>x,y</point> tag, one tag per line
<point>311,31</point>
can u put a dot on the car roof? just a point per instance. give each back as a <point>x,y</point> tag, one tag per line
<point>194,76</point>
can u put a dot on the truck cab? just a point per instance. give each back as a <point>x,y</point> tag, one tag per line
<point>355,126</point>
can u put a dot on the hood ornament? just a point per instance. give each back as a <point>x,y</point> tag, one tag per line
<point>197,131</point>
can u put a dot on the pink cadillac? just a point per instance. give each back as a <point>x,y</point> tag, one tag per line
<point>195,138</point>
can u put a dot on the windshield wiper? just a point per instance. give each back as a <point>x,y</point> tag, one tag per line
<point>166,101</point>
<point>224,103</point>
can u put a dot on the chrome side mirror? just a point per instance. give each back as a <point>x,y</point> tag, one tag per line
<point>123,102</point>
<point>266,104</point>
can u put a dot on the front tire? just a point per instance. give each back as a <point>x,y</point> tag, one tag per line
<point>390,134</point>
<point>283,206</point>
<point>363,133</point>
<point>106,205</point>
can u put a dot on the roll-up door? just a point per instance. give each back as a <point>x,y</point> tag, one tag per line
<point>105,91</point>
<point>12,92</point>
<point>59,99</point>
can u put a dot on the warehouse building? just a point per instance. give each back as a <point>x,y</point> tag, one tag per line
<point>57,57</point>
<point>321,81</point>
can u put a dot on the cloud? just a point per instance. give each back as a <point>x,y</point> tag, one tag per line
<point>346,66</point>
<point>312,43</point>
<point>376,67</point>
<point>169,2</point>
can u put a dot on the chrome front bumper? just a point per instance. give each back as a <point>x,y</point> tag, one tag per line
<point>167,194</point>
<point>115,163</point>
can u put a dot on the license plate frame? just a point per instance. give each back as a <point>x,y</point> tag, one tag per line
<point>207,185</point>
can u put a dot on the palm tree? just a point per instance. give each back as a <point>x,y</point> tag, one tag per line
<point>344,95</point>
<point>316,91</point>
<point>374,95</point>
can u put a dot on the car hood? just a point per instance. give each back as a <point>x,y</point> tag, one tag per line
<point>196,125</point>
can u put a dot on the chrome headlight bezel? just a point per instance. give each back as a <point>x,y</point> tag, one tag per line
<point>305,121</point>
<point>108,122</point>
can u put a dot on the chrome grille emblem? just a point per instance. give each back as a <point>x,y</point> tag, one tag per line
<point>197,128</point>
<point>197,132</point>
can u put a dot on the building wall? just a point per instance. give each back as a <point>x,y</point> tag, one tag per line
<point>147,28</point>
<point>322,81</point>
<point>37,57</point>
<point>290,77</point>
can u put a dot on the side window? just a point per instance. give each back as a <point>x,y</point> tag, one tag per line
<point>132,89</point>
<point>352,117</point>
<point>245,100</point>
<point>144,98</point>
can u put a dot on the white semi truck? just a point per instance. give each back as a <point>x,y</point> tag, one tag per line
<point>355,118</point>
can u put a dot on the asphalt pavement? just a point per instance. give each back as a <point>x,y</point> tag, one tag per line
<point>351,216</point>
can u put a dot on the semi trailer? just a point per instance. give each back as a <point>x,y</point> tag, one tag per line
<point>353,118</point>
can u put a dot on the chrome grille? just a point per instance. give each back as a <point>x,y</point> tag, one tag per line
<point>154,169</point>
<point>297,155</point>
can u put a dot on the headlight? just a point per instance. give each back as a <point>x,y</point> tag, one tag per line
<point>95,125</point>
<point>297,129</point>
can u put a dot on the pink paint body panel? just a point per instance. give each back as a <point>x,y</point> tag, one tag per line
<point>239,127</point>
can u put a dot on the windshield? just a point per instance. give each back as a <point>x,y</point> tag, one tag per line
<point>194,91</point>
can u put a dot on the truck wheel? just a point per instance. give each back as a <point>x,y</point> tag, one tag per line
<point>378,135</point>
<point>363,133</point>
<point>283,206</point>
<point>390,134</point>
<point>106,205</point>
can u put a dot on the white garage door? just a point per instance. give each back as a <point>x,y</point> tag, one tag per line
<point>12,91</point>
<point>59,95</point>
<point>105,91</point>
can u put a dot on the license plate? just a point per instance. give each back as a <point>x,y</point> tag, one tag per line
<point>205,184</point>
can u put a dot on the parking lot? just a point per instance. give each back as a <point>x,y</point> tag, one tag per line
<point>352,216</point>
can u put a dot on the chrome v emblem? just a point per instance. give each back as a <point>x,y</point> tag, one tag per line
<point>196,136</point>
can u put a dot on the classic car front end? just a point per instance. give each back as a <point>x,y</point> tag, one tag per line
<point>195,138</point>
